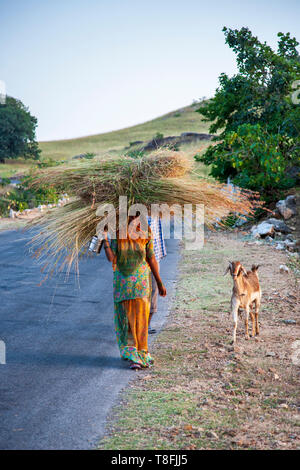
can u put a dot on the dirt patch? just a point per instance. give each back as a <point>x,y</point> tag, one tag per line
<point>201,394</point>
<point>19,221</point>
<point>11,224</point>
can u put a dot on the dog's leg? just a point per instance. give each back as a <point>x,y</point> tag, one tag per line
<point>246,322</point>
<point>234,311</point>
<point>257,306</point>
<point>252,319</point>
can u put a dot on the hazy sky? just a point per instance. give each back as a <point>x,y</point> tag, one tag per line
<point>90,66</point>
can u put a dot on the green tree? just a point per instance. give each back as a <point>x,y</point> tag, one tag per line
<point>257,121</point>
<point>261,90</point>
<point>17,131</point>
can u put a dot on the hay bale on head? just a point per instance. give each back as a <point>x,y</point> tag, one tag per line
<point>163,177</point>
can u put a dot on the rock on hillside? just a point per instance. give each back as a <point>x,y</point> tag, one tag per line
<point>287,207</point>
<point>171,141</point>
<point>284,236</point>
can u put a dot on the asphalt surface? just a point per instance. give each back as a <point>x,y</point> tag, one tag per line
<point>63,371</point>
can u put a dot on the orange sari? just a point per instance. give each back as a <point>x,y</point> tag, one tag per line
<point>132,298</point>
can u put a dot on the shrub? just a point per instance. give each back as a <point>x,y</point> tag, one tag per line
<point>89,155</point>
<point>23,197</point>
<point>4,181</point>
<point>136,153</point>
<point>48,163</point>
<point>158,136</point>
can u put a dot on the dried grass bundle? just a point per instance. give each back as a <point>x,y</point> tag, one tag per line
<point>94,181</point>
<point>159,178</point>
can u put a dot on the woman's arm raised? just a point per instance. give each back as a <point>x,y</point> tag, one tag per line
<point>108,251</point>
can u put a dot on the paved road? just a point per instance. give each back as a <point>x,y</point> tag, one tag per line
<point>63,372</point>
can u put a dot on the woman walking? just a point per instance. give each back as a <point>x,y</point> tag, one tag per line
<point>133,261</point>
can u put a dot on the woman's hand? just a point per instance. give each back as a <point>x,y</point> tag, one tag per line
<point>155,271</point>
<point>108,251</point>
<point>162,290</point>
<point>104,235</point>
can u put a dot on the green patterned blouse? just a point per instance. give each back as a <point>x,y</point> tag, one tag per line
<point>131,270</point>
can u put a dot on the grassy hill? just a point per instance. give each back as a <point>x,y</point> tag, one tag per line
<point>113,143</point>
<point>173,123</point>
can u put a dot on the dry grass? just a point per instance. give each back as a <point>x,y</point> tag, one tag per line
<point>163,177</point>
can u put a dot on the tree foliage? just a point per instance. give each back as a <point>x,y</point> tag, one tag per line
<point>24,196</point>
<point>253,158</point>
<point>17,131</point>
<point>258,122</point>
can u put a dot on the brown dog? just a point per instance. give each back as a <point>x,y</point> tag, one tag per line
<point>246,293</point>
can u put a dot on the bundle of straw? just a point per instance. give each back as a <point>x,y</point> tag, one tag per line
<point>163,177</point>
<point>99,180</point>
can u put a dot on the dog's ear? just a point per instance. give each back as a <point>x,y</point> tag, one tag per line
<point>241,269</point>
<point>229,268</point>
<point>255,267</point>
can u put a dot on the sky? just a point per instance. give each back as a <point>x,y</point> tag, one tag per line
<point>85,67</point>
